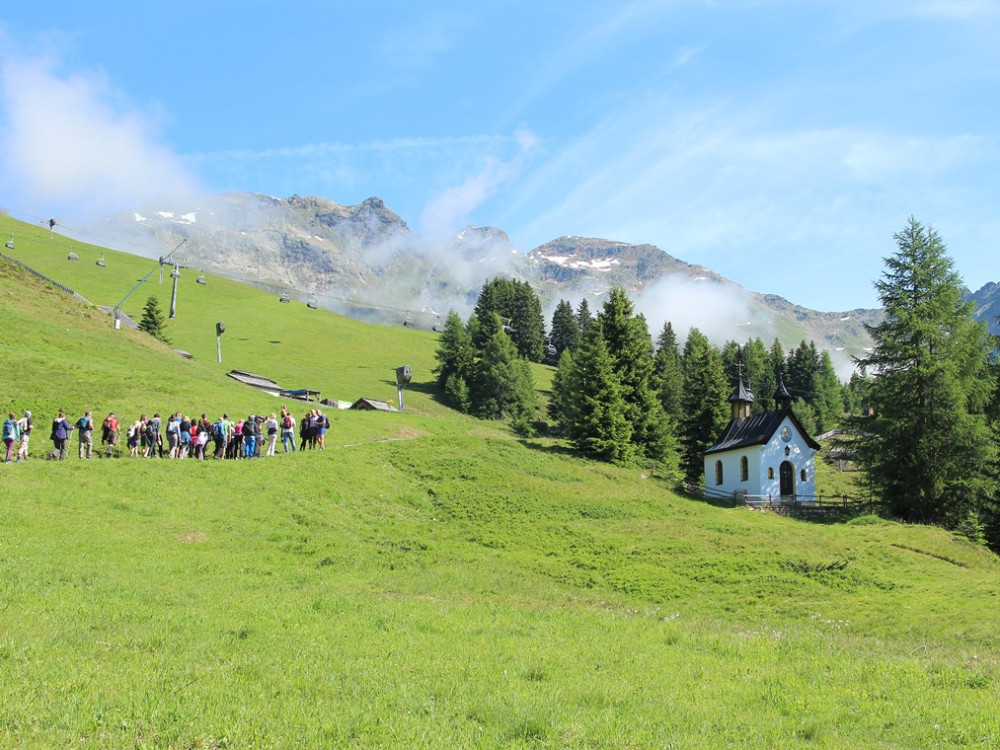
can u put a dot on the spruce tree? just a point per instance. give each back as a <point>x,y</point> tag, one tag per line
<point>502,384</point>
<point>631,350</point>
<point>829,397</point>
<point>565,330</point>
<point>667,372</point>
<point>760,376</point>
<point>583,316</point>
<point>153,321</point>
<point>926,448</point>
<point>593,410</point>
<point>455,353</point>
<point>706,408</point>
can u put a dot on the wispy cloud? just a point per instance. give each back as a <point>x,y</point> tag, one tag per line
<point>450,210</point>
<point>71,144</point>
<point>729,188</point>
<point>965,10</point>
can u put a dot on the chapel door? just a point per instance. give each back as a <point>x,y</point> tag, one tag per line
<point>786,474</point>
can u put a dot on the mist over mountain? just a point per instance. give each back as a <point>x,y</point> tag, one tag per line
<point>364,261</point>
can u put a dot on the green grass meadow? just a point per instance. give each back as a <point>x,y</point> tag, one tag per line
<point>428,580</point>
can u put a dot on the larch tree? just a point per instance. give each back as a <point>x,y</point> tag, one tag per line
<point>926,448</point>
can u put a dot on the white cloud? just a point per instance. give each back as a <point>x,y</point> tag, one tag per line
<point>71,144</point>
<point>740,190</point>
<point>449,211</point>
<point>715,309</point>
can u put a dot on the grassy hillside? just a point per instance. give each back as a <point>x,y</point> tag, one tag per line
<point>429,580</point>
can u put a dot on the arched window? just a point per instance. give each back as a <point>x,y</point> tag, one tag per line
<point>770,472</point>
<point>744,469</point>
<point>718,472</point>
<point>803,475</point>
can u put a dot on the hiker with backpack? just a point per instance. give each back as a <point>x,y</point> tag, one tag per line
<point>61,428</point>
<point>287,429</point>
<point>25,425</point>
<point>220,434</point>
<point>153,439</point>
<point>133,436</point>
<point>85,425</point>
<point>11,434</point>
<point>250,437</point>
<point>110,433</point>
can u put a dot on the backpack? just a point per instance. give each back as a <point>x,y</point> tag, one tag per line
<point>286,422</point>
<point>217,431</point>
<point>83,423</point>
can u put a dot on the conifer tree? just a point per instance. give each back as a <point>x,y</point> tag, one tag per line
<point>502,385</point>
<point>693,347</point>
<point>829,397</point>
<point>760,375</point>
<point>631,350</point>
<point>927,449</point>
<point>565,330</point>
<point>153,321</point>
<point>516,302</point>
<point>706,407</point>
<point>583,316</point>
<point>455,353</point>
<point>558,402</point>
<point>593,411</point>
<point>668,375</point>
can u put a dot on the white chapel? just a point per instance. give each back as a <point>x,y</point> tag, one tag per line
<point>765,456</point>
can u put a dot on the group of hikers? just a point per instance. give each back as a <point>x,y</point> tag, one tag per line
<point>179,436</point>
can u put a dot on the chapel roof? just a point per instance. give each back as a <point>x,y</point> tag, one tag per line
<point>757,429</point>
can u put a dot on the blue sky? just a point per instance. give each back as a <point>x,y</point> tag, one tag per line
<point>781,143</point>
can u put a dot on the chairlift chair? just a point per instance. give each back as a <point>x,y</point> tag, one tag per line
<point>408,321</point>
<point>438,327</point>
<point>312,303</point>
<point>201,279</point>
<point>9,244</point>
<point>100,261</point>
<point>72,256</point>
<point>284,297</point>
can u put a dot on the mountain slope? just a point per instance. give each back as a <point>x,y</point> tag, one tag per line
<point>428,580</point>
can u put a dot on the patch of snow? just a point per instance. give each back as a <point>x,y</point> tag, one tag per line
<point>566,261</point>
<point>165,214</point>
<point>190,218</point>
<point>140,217</point>
<point>846,317</point>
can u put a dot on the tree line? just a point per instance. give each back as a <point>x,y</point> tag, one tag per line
<point>921,411</point>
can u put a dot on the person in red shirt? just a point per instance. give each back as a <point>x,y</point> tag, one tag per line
<point>110,432</point>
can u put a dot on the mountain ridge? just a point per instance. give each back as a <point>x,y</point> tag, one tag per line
<point>365,261</point>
